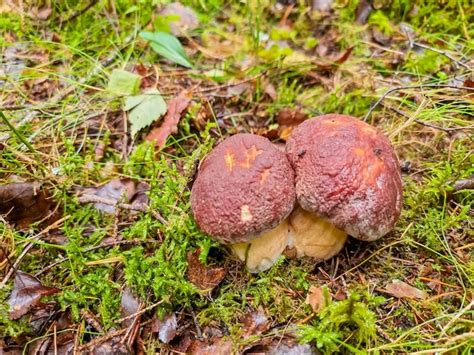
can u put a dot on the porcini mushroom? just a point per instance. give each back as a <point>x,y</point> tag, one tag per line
<point>347,179</point>
<point>242,195</point>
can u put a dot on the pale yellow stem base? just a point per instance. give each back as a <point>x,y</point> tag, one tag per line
<point>261,253</point>
<point>314,237</point>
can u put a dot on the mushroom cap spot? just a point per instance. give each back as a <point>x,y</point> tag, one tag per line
<point>349,174</point>
<point>229,160</point>
<point>237,205</point>
<point>245,214</point>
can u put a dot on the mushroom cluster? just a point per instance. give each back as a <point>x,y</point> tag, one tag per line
<point>337,177</point>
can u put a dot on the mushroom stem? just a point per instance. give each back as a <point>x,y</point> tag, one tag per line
<point>262,252</point>
<point>313,236</point>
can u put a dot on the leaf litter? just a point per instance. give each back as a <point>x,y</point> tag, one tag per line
<point>27,293</point>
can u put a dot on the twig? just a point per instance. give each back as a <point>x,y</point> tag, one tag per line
<point>14,267</point>
<point>196,324</point>
<point>141,311</point>
<point>421,86</point>
<point>464,184</point>
<point>90,319</point>
<point>140,207</point>
<point>446,54</point>
<point>115,243</point>
<point>102,339</point>
<point>232,84</point>
<point>78,12</point>
<point>457,316</point>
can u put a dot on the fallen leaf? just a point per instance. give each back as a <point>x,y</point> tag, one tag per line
<point>24,203</point>
<point>269,89</point>
<point>255,323</point>
<point>214,346</point>
<point>281,345</point>
<point>40,13</point>
<point>114,190</point>
<point>122,82</point>
<point>468,83</point>
<point>344,55</point>
<point>181,18</point>
<point>363,11</point>
<point>129,305</point>
<point>176,106</point>
<point>290,117</point>
<point>166,327</point>
<point>27,292</point>
<point>315,298</point>
<point>110,346</point>
<point>322,5</point>
<point>287,120</point>
<point>144,109</point>
<point>401,289</point>
<point>204,277</point>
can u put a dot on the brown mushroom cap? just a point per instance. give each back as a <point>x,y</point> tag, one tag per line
<point>244,187</point>
<point>347,172</point>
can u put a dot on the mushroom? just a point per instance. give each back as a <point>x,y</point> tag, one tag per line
<point>242,196</point>
<point>347,181</point>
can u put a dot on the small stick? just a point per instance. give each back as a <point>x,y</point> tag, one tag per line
<point>79,12</point>
<point>446,54</point>
<point>140,207</point>
<point>115,243</point>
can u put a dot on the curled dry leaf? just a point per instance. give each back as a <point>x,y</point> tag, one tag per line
<point>27,292</point>
<point>363,11</point>
<point>255,323</point>
<point>213,346</point>
<point>204,277</point>
<point>176,106</point>
<point>315,298</point>
<point>129,305</point>
<point>181,18</point>
<point>287,120</point>
<point>24,203</point>
<point>401,289</point>
<point>113,191</point>
<point>166,327</point>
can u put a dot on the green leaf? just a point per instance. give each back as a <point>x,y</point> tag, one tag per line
<point>168,46</point>
<point>122,82</point>
<point>144,109</point>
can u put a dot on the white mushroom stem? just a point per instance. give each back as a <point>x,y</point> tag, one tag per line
<point>262,252</point>
<point>314,237</point>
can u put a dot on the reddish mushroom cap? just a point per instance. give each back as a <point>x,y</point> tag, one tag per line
<point>346,171</point>
<point>244,187</point>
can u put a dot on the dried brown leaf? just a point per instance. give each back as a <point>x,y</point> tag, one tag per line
<point>27,293</point>
<point>315,298</point>
<point>214,346</point>
<point>114,190</point>
<point>255,323</point>
<point>24,203</point>
<point>204,277</point>
<point>290,117</point>
<point>363,11</point>
<point>401,289</point>
<point>166,327</point>
<point>182,18</point>
<point>176,106</point>
<point>129,305</point>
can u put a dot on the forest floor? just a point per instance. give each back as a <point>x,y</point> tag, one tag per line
<point>99,251</point>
